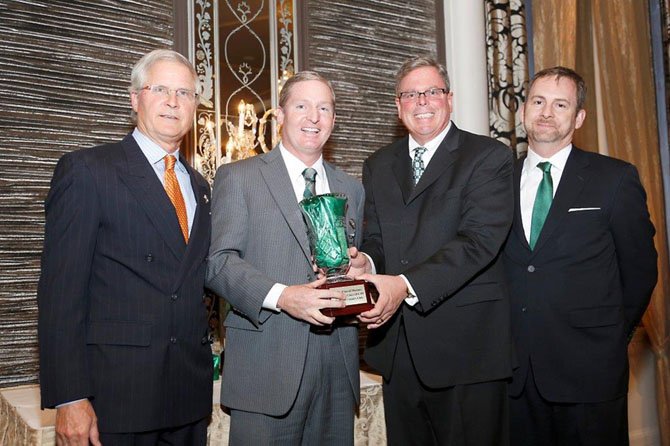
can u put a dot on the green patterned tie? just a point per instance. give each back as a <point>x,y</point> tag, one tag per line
<point>310,182</point>
<point>417,164</point>
<point>545,194</point>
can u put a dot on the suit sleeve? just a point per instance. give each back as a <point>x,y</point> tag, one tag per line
<point>372,239</point>
<point>72,220</point>
<point>228,274</point>
<point>633,235</point>
<point>360,209</point>
<point>487,204</point>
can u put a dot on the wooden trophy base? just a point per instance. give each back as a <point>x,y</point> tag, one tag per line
<point>360,296</point>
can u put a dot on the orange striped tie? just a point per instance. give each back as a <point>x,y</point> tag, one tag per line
<point>174,192</point>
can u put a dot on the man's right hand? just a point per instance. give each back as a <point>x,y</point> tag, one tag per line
<point>306,301</point>
<point>76,424</point>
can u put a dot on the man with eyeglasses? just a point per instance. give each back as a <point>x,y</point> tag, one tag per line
<point>124,351</point>
<point>438,208</point>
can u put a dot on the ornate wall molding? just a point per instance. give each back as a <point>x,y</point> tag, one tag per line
<point>244,51</point>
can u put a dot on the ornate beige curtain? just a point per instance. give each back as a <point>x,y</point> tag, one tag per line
<point>615,35</point>
<point>506,54</point>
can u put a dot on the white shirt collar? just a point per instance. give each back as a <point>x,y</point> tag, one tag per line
<point>152,151</point>
<point>432,145</point>
<point>557,160</point>
<point>295,166</point>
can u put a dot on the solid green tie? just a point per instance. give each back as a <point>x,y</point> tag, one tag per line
<point>545,193</point>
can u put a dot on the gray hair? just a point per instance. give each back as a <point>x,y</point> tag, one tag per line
<point>138,76</point>
<point>302,76</point>
<point>418,62</point>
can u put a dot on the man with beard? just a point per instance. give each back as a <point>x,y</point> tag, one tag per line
<point>581,265</point>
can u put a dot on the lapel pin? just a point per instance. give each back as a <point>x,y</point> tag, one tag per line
<point>206,198</point>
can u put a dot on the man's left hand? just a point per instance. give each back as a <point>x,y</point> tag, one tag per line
<point>392,293</point>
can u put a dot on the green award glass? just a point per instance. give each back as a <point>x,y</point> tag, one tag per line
<point>325,215</point>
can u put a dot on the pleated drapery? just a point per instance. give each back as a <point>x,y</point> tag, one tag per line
<point>608,43</point>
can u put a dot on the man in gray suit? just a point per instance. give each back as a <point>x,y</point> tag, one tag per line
<point>291,373</point>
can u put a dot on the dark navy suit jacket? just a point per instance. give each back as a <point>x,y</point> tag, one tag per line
<point>121,315</point>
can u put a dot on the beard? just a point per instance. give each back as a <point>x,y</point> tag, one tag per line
<point>546,134</point>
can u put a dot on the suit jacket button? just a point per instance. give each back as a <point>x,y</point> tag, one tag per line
<point>404,261</point>
<point>531,269</point>
<point>149,257</point>
<point>173,297</point>
<point>173,340</point>
<point>523,309</point>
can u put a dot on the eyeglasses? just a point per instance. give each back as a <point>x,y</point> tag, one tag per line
<point>433,93</point>
<point>162,90</point>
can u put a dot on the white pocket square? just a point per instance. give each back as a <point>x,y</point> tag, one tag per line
<point>582,209</point>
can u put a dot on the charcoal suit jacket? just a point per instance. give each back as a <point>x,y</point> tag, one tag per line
<point>577,297</point>
<point>445,236</point>
<point>121,315</point>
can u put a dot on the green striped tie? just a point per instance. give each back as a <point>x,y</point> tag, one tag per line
<point>310,182</point>
<point>545,194</point>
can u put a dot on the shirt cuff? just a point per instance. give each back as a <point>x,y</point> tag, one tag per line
<point>69,402</point>
<point>373,269</point>
<point>270,302</point>
<point>411,298</point>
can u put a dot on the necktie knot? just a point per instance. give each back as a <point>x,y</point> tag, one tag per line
<point>417,164</point>
<point>544,166</point>
<point>309,175</point>
<point>170,161</point>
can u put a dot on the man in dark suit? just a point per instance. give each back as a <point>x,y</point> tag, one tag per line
<point>581,265</point>
<point>291,373</point>
<point>122,327</point>
<point>438,208</point>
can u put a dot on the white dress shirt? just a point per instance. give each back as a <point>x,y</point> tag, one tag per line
<point>431,146</point>
<point>531,175</point>
<point>295,168</point>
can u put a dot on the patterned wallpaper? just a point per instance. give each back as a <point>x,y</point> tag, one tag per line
<point>64,73</point>
<point>63,77</point>
<point>359,45</point>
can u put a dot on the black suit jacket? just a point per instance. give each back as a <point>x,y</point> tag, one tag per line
<point>445,235</point>
<point>121,317</point>
<point>579,294</point>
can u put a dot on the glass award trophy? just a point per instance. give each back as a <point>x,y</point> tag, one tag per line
<point>325,215</point>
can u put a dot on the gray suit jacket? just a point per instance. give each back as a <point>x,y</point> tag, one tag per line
<point>259,238</point>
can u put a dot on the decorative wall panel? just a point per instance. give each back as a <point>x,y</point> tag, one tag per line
<point>359,45</point>
<point>64,74</point>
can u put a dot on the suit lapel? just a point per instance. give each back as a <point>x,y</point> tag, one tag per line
<point>443,158</point>
<point>147,189</point>
<point>439,165</point>
<point>198,242</point>
<point>402,168</point>
<point>279,186</point>
<point>518,221</point>
<point>338,183</point>
<point>574,177</point>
